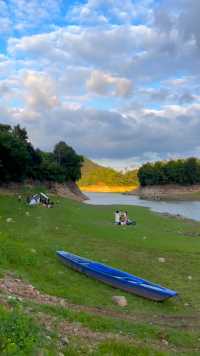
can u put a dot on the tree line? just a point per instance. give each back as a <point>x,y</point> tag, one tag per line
<point>19,160</point>
<point>181,171</point>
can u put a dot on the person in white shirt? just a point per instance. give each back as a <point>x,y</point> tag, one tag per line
<point>117,217</point>
<point>32,202</point>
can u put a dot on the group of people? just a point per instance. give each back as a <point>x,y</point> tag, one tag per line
<point>39,198</point>
<point>121,218</point>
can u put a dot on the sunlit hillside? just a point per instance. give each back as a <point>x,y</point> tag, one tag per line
<point>98,178</point>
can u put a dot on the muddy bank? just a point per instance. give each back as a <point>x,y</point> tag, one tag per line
<point>69,190</point>
<point>168,192</point>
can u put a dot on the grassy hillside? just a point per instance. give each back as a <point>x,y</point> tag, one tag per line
<point>34,322</point>
<point>99,176</point>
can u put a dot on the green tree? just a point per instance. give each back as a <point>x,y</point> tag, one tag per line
<point>183,172</point>
<point>20,133</point>
<point>14,157</point>
<point>192,170</point>
<point>69,160</point>
<point>146,174</point>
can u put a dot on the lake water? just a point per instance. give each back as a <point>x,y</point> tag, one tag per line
<point>188,209</point>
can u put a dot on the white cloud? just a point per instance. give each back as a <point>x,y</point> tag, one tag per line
<point>55,78</point>
<point>21,15</point>
<point>106,84</point>
<point>143,134</point>
<point>39,92</point>
<point>105,11</point>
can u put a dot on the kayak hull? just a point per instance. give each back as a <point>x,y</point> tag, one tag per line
<point>116,278</point>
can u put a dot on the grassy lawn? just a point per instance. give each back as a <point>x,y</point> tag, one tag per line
<point>28,245</point>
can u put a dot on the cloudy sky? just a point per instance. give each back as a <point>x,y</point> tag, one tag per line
<point>117,80</point>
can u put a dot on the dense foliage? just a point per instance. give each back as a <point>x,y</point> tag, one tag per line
<point>94,174</point>
<point>19,160</point>
<point>181,171</point>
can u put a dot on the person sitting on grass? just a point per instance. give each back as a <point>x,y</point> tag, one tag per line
<point>126,217</point>
<point>122,219</point>
<point>128,221</point>
<point>117,217</point>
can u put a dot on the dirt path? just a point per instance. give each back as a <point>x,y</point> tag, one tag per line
<point>16,287</point>
<point>68,333</point>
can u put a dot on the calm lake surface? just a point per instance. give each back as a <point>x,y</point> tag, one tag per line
<point>188,209</point>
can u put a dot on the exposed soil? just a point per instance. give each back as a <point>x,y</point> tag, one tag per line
<point>18,288</point>
<point>168,192</point>
<point>69,190</point>
<point>67,331</point>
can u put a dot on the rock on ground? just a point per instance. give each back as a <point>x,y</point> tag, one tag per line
<point>120,300</point>
<point>65,340</point>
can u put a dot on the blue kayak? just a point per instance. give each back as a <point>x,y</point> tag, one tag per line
<point>116,278</point>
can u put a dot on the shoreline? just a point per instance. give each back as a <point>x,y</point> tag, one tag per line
<point>156,207</point>
<point>164,214</point>
<point>176,217</point>
<point>168,193</point>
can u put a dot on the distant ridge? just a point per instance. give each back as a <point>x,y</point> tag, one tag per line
<point>101,179</point>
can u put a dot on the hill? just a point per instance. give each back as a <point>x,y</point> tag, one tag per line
<point>98,178</point>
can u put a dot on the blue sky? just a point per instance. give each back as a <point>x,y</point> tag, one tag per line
<point>117,80</point>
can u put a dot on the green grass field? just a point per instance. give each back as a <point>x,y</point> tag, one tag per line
<point>28,247</point>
